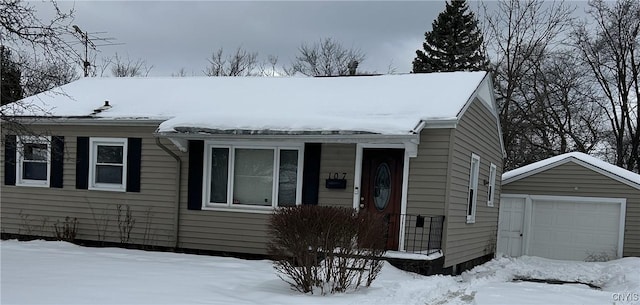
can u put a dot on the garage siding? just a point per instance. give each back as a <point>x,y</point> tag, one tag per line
<point>571,179</point>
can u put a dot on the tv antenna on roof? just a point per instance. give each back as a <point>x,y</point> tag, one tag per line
<point>87,39</point>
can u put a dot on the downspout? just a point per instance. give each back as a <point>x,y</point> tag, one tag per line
<point>176,217</point>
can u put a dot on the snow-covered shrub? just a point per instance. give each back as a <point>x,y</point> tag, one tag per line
<point>326,249</point>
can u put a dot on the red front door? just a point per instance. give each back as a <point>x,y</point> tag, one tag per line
<point>382,188</point>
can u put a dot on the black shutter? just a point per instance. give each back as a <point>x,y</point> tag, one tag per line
<point>57,162</point>
<point>10,160</point>
<point>82,163</point>
<point>311,173</point>
<point>134,154</point>
<point>196,156</point>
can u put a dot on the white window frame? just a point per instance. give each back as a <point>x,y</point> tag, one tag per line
<point>474,173</point>
<point>93,157</point>
<point>21,141</point>
<point>491,189</point>
<point>229,205</point>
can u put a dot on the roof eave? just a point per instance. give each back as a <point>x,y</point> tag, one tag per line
<point>410,141</point>
<point>87,120</point>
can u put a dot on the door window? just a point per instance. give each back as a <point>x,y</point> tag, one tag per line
<point>382,187</point>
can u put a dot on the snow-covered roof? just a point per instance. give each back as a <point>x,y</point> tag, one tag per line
<point>605,168</point>
<point>385,104</point>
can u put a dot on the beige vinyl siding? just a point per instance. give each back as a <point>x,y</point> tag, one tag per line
<point>477,132</point>
<point>227,231</point>
<point>246,232</point>
<point>27,210</point>
<point>428,173</point>
<point>33,210</point>
<point>571,179</point>
<point>216,230</point>
<point>427,185</point>
<point>337,158</point>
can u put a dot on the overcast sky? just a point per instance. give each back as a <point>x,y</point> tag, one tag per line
<point>171,35</point>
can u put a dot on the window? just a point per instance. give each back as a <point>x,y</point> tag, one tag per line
<point>492,184</point>
<point>252,176</point>
<point>34,161</point>
<point>108,166</point>
<point>473,188</point>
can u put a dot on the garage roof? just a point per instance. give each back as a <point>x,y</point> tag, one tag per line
<point>614,172</point>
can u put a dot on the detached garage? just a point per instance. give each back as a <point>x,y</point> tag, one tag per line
<point>570,207</point>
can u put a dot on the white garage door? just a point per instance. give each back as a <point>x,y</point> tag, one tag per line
<point>571,229</point>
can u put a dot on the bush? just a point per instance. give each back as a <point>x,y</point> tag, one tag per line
<point>330,249</point>
<point>66,230</point>
<point>125,222</point>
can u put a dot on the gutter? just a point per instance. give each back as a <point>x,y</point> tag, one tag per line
<point>419,127</point>
<point>320,138</point>
<point>176,217</point>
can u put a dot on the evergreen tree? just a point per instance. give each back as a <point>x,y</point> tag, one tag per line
<point>454,44</point>
<point>10,89</point>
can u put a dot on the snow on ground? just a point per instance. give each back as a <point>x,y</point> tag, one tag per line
<point>40,272</point>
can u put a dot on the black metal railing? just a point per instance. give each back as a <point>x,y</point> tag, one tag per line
<point>422,233</point>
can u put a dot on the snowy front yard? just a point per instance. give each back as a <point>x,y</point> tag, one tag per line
<point>40,272</point>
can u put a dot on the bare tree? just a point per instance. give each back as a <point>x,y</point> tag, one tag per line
<point>181,73</point>
<point>269,67</point>
<point>559,107</point>
<point>239,63</point>
<point>326,57</point>
<point>21,30</point>
<point>612,51</point>
<point>100,69</point>
<point>10,75</point>
<point>520,33</point>
<point>127,67</point>
<point>391,68</point>
<point>42,76</point>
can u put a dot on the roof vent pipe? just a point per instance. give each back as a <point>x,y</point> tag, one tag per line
<point>102,108</point>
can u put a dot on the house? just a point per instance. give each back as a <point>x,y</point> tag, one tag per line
<point>573,207</point>
<point>201,163</point>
